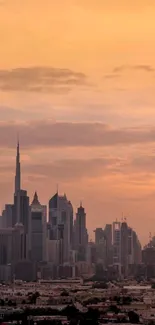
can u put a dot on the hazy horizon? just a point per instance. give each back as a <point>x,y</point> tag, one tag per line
<point>77,83</point>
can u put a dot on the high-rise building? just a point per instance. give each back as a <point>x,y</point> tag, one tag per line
<point>61,214</point>
<point>130,246</point>
<point>99,235</point>
<point>11,244</point>
<point>20,210</point>
<point>137,250</point>
<point>7,216</point>
<point>16,213</point>
<point>124,247</point>
<point>19,244</point>
<point>21,200</point>
<point>108,244</point>
<point>6,246</point>
<point>37,232</point>
<point>91,253</point>
<point>80,233</point>
<point>52,251</point>
<point>53,217</point>
<point>148,256</point>
<point>117,245</point>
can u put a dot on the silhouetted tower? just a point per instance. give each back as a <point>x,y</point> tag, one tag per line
<point>18,172</point>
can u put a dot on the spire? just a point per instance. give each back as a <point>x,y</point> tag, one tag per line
<point>17,176</point>
<point>35,199</point>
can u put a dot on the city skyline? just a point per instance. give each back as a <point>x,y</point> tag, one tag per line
<point>77,83</point>
<point>31,235</point>
<point>22,217</point>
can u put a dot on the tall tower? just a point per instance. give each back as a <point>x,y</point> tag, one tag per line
<point>20,214</point>
<point>117,245</point>
<point>17,185</point>
<point>61,213</point>
<point>18,173</point>
<point>80,233</point>
<point>37,230</point>
<point>124,247</point>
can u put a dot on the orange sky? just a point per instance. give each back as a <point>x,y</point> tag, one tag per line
<point>77,80</point>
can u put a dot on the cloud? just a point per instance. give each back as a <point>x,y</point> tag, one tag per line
<point>70,169</point>
<point>146,163</point>
<point>46,133</point>
<point>65,169</point>
<point>140,67</point>
<point>40,79</point>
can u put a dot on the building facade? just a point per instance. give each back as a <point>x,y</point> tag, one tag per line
<point>80,234</point>
<point>37,231</point>
<point>61,225</point>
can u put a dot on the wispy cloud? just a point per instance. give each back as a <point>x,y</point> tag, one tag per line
<point>40,79</point>
<point>140,67</point>
<point>45,133</point>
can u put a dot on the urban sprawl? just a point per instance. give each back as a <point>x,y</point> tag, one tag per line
<point>50,273</point>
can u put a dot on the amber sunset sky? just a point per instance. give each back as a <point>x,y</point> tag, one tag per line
<point>77,82</point>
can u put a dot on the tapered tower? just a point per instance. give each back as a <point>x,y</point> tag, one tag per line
<point>18,172</point>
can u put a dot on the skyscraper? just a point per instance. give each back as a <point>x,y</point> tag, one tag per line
<point>21,209</point>
<point>37,230</point>
<point>16,212</point>
<point>53,216</point>
<point>108,240</point>
<point>80,233</point>
<point>18,172</point>
<point>117,245</point>
<point>124,247</point>
<point>61,213</point>
<point>137,250</point>
<point>7,216</point>
<point>21,203</point>
<point>99,235</point>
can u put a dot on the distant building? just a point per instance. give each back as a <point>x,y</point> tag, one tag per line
<point>37,230</point>
<point>52,251</point>
<point>20,209</point>
<point>99,235</point>
<point>80,234</point>
<point>117,245</point>
<point>6,240</point>
<point>124,248</point>
<point>91,253</point>
<point>61,224</point>
<point>108,244</point>
<point>11,249</point>
<point>7,216</point>
<point>137,250</point>
<point>148,256</point>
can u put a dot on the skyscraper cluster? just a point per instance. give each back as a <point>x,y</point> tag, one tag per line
<point>39,241</point>
<point>118,245</point>
<point>28,241</point>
